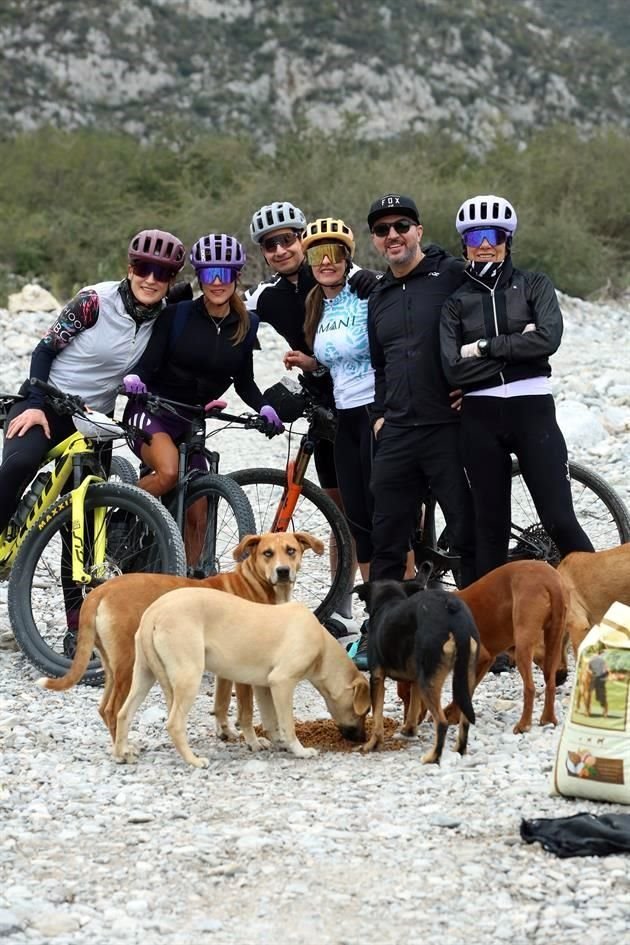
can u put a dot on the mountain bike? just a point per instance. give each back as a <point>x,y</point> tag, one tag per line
<point>211,510</point>
<point>599,509</point>
<point>73,530</point>
<point>280,500</point>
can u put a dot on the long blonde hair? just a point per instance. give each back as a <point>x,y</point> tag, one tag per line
<point>314,308</point>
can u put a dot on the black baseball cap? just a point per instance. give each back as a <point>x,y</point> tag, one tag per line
<point>393,203</point>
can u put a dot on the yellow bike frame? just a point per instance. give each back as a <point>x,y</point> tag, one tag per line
<point>63,455</point>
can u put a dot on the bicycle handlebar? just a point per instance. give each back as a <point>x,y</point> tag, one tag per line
<point>62,403</point>
<point>211,411</point>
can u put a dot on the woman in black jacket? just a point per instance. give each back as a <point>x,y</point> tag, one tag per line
<point>497,333</point>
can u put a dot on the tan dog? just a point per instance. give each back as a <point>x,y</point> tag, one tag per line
<point>595,580</point>
<point>111,613</point>
<point>270,648</point>
<point>522,605</point>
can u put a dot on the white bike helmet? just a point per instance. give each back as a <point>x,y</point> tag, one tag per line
<point>275,216</point>
<point>486,210</point>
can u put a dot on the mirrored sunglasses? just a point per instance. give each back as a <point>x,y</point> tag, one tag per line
<point>225,274</point>
<point>401,227</point>
<point>159,273</point>
<point>336,253</point>
<point>282,239</point>
<point>493,234</point>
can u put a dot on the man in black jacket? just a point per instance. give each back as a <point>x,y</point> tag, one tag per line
<point>414,420</point>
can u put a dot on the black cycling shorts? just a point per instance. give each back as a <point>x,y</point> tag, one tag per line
<point>325,464</point>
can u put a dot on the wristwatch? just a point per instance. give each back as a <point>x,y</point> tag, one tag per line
<point>483,347</point>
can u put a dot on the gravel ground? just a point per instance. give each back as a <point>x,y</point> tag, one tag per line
<point>336,850</point>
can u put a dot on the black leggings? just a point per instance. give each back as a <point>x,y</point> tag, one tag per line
<point>492,429</point>
<point>22,456</point>
<point>353,462</point>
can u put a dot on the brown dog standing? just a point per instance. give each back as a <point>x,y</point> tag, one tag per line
<point>110,616</point>
<point>595,580</point>
<point>523,605</point>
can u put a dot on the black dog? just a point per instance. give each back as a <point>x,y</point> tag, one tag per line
<point>420,636</point>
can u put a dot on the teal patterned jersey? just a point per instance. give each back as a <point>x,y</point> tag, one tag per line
<point>341,344</point>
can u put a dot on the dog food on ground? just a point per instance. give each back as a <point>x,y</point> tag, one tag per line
<point>324,734</point>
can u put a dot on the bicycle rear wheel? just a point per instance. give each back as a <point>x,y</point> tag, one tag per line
<point>43,600</point>
<point>317,514</point>
<point>599,509</point>
<point>217,516</point>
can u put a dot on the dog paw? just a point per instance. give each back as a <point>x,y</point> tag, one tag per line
<point>227,733</point>
<point>197,761</point>
<point>431,758</point>
<point>521,727</point>
<point>258,744</point>
<point>406,735</point>
<point>301,752</point>
<point>128,756</point>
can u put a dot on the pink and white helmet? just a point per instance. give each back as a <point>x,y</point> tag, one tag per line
<point>157,246</point>
<point>218,249</point>
<point>486,210</point>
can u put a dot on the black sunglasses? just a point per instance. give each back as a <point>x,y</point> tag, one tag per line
<point>283,239</point>
<point>401,226</point>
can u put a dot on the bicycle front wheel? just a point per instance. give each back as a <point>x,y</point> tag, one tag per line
<point>43,600</point>
<point>599,510</point>
<point>217,516</point>
<point>322,582</point>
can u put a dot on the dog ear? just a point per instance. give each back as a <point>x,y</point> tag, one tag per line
<point>310,541</point>
<point>362,591</point>
<point>361,701</point>
<point>245,547</point>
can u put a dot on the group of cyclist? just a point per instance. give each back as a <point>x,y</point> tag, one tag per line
<point>438,367</point>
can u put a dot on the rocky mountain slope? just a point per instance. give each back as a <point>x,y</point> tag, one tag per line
<point>473,70</point>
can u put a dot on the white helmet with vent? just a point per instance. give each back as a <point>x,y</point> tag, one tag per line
<point>486,210</point>
<point>275,216</point>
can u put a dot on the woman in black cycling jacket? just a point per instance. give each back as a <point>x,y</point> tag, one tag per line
<point>497,333</point>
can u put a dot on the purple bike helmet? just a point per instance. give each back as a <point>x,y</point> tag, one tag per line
<point>157,246</point>
<point>218,249</point>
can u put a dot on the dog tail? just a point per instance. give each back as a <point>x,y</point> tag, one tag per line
<point>86,638</point>
<point>466,636</point>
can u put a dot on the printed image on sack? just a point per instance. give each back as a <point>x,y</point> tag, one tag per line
<point>593,757</point>
<point>601,688</point>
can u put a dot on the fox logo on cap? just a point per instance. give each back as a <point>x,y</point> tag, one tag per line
<point>393,203</point>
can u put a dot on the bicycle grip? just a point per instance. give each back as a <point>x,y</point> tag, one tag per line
<point>213,405</point>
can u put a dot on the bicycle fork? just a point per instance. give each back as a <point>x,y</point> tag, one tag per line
<point>296,471</point>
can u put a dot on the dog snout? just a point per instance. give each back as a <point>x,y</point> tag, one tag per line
<point>283,574</point>
<point>354,733</point>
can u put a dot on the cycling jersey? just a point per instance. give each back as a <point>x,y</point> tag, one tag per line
<point>500,312</point>
<point>341,344</point>
<point>90,347</point>
<point>197,361</point>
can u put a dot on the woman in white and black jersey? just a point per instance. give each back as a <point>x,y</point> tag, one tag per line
<point>336,330</point>
<point>497,333</point>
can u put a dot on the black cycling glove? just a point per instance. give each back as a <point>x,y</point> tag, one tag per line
<point>364,281</point>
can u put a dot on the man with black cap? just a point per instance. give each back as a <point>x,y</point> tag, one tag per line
<point>413,415</point>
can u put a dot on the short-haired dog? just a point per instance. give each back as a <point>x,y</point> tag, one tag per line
<point>270,648</point>
<point>420,636</point>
